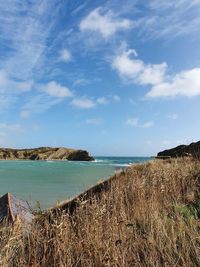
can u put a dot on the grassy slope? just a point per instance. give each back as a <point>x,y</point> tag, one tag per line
<point>148,217</point>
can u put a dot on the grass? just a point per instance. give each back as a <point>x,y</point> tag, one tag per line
<point>148,216</point>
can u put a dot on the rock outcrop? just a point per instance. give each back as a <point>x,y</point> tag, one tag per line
<point>44,153</point>
<point>13,208</point>
<point>192,150</point>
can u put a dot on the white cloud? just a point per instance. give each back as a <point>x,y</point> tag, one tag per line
<point>80,82</point>
<point>65,55</point>
<point>135,70</point>
<point>39,103</point>
<point>83,102</point>
<point>107,24</point>
<point>147,124</point>
<point>25,28</point>
<point>169,19</point>
<point>9,85</point>
<point>24,113</point>
<point>15,128</point>
<point>56,90</point>
<point>3,77</point>
<point>152,74</point>
<point>23,86</point>
<point>78,8</point>
<point>160,5</point>
<point>126,66</point>
<point>173,116</point>
<point>50,95</point>
<point>102,100</point>
<point>116,98</point>
<point>134,122</point>
<point>11,89</point>
<point>6,102</point>
<point>185,83</point>
<point>94,121</point>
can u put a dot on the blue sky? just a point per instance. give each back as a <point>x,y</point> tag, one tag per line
<point>112,77</point>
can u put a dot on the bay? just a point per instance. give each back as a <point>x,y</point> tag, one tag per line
<point>49,182</point>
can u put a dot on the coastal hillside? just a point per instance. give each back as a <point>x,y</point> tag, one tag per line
<point>146,215</point>
<point>44,153</point>
<point>181,151</point>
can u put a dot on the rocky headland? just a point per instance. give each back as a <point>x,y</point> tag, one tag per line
<point>192,150</point>
<point>45,153</point>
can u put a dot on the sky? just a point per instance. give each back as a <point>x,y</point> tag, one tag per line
<point>113,77</point>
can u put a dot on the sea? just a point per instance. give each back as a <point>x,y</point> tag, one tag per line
<point>46,183</point>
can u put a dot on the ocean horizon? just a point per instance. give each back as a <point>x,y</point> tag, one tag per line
<point>46,183</point>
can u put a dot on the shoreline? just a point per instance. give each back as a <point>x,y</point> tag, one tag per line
<point>100,187</point>
<point>49,202</point>
<point>52,192</point>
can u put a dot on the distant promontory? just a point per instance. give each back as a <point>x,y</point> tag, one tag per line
<point>192,150</point>
<point>45,153</point>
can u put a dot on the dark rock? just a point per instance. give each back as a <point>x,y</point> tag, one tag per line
<point>33,157</point>
<point>81,155</point>
<point>192,150</point>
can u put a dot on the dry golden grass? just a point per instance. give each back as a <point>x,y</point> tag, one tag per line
<point>149,216</point>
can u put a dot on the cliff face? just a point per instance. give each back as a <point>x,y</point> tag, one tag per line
<point>44,153</point>
<point>183,150</point>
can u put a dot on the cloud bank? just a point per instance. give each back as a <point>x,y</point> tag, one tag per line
<point>133,70</point>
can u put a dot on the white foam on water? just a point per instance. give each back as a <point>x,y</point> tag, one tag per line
<point>120,165</point>
<point>98,160</point>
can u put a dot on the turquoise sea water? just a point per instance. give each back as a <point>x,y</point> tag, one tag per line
<point>52,181</point>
